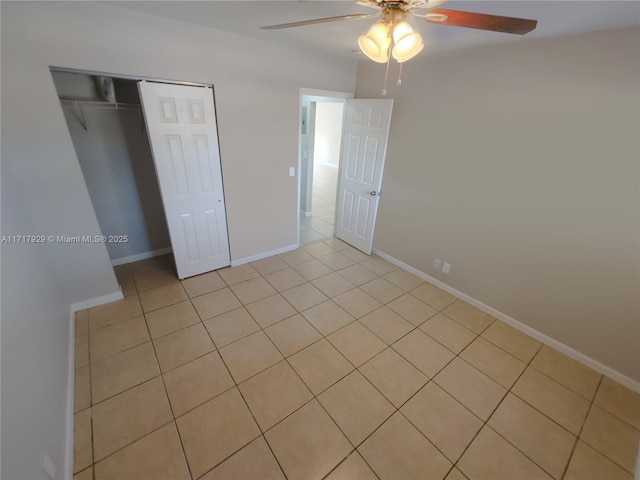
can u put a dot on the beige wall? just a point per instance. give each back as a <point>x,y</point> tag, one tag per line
<point>519,165</point>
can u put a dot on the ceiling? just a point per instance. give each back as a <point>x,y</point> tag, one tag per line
<point>340,38</point>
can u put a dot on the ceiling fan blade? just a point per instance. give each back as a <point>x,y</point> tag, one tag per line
<point>319,20</point>
<point>482,21</point>
<point>422,4</point>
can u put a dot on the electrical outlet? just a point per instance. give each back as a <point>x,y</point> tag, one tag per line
<point>446,268</point>
<point>436,263</point>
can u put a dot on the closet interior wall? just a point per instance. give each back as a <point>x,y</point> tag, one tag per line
<point>115,157</point>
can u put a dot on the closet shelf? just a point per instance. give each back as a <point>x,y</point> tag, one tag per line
<point>80,103</point>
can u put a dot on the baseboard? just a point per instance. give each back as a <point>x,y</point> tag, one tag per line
<point>541,337</point>
<point>260,256</point>
<point>141,256</point>
<point>94,302</point>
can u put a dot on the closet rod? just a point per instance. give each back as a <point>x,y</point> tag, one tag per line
<point>78,103</point>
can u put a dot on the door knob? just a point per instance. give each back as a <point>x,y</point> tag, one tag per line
<point>375,194</point>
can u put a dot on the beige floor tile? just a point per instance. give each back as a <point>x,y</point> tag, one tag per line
<point>554,400</point>
<point>271,310</point>
<point>336,261</point>
<point>356,406</point>
<point>158,455</point>
<point>403,279</point>
<point>269,265</point>
<point>231,326</point>
<point>304,296</point>
<point>162,296</point>
<point>285,279</point>
<point>449,333</point>
<point>393,376</point>
<point>468,316</point>
<point>397,450</point>
<point>354,254</point>
<point>86,474</point>
<point>312,269</point>
<point>201,284</point>
<point>82,323</point>
<point>320,365</point>
<point>327,317</point>
<point>253,290</point>
<point>307,444</point>
<point>295,257</point>
<point>588,464</point>
<point>572,374</point>
<point>82,393</point>
<point>357,303</point>
<point>120,372</point>
<point>455,474</point>
<point>340,246</point>
<point>274,394</point>
<point>113,312</point>
<point>153,278</point>
<point>378,266</point>
<point>159,262</point>
<point>115,338</point>
<point>216,430</point>
<point>216,303</point>
<point>619,401</point>
<point>495,362</point>
<point>250,355</point>
<point>81,357</point>
<point>491,457</point>
<point>196,382</point>
<point>292,335</point>
<point>82,445</point>
<point>423,352</point>
<point>432,295</point>
<point>127,284</point>
<point>182,346</point>
<point>255,461</point>
<point>412,309</point>
<point>356,343</point>
<point>387,324</point>
<point>382,290</point>
<point>471,387</point>
<point>612,437</point>
<point>358,275</point>
<point>318,249</point>
<point>132,414</point>
<point>512,341</point>
<point>333,284</point>
<point>171,319</point>
<point>353,468</point>
<point>539,438</point>
<point>442,419</point>
<point>235,275</point>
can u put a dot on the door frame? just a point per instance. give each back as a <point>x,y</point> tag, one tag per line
<point>327,96</point>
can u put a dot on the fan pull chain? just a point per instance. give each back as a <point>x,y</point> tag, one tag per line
<point>386,75</point>
<point>399,82</point>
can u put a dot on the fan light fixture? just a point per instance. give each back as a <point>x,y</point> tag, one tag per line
<point>406,43</point>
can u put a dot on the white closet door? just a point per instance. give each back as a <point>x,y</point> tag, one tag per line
<point>364,147</point>
<point>182,131</point>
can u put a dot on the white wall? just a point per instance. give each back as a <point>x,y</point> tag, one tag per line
<point>328,134</point>
<point>518,164</point>
<point>257,89</point>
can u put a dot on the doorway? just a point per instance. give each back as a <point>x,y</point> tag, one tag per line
<point>322,115</point>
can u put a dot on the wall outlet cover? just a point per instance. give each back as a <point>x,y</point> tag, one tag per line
<point>446,268</point>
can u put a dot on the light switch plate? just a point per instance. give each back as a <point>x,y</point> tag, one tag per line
<point>292,171</point>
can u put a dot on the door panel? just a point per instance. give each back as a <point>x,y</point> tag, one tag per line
<point>183,135</point>
<point>366,133</point>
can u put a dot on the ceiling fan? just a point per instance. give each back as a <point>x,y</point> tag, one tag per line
<point>393,36</point>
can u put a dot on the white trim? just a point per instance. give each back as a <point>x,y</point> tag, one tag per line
<point>141,256</point>
<point>306,214</point>
<point>551,342</point>
<point>94,302</point>
<point>260,256</point>
<point>68,444</point>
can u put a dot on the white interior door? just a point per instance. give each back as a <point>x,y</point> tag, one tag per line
<point>183,135</point>
<point>364,147</point>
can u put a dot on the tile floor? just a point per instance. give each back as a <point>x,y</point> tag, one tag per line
<point>327,363</point>
<point>319,225</point>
